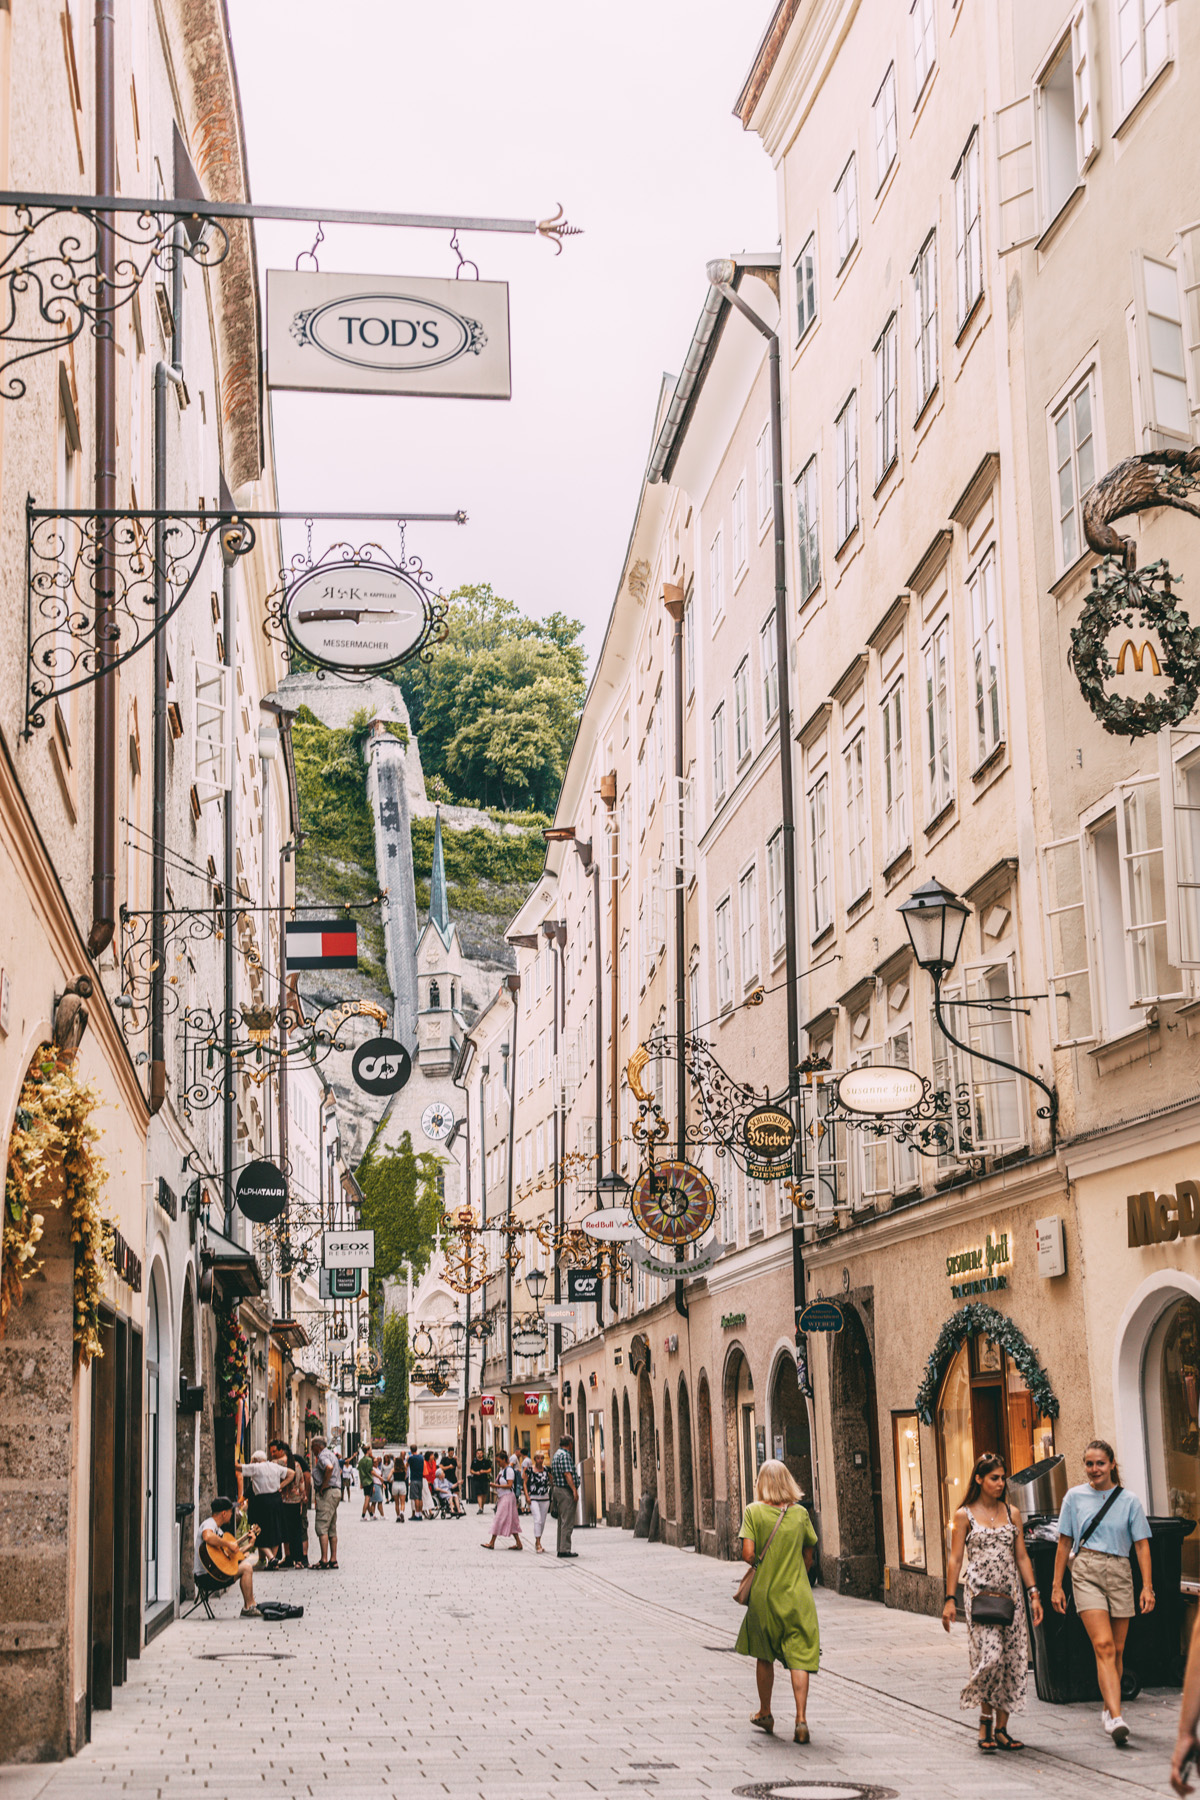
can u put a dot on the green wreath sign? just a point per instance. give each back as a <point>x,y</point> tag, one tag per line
<point>978,1320</point>
<point>1141,601</point>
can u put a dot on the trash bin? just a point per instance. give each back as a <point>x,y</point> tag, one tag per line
<point>1040,1489</point>
<point>1154,1649</point>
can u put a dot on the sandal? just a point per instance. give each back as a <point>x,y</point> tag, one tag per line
<point>1005,1741</point>
<point>987,1742</point>
<point>764,1721</point>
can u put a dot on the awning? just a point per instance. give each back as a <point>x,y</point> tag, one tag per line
<point>234,1269</point>
<point>291,1333</point>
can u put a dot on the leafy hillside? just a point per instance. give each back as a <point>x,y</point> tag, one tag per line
<point>336,859</point>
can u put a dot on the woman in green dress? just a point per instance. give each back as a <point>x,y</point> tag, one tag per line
<point>781,1619</point>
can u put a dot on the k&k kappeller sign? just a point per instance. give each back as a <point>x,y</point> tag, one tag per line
<point>387,334</point>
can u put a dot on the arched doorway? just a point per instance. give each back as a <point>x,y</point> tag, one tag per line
<point>630,1509</point>
<point>156,1390</point>
<point>186,1426</point>
<point>668,1458</point>
<point>647,1444</point>
<point>616,1513</point>
<point>790,1440</point>
<point>704,1445</point>
<point>744,1452</point>
<point>687,1495</point>
<point>858,1471</point>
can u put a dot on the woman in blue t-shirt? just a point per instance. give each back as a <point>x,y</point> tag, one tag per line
<point>1102,1522</point>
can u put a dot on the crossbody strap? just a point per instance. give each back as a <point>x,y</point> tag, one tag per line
<point>783,1512</point>
<point>1095,1519</point>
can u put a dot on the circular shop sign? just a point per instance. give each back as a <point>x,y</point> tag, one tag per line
<point>769,1134</point>
<point>381,1066</point>
<point>528,1343</point>
<point>882,1089</point>
<point>262,1192</point>
<point>356,616</point>
<point>612,1224</point>
<point>674,1203</point>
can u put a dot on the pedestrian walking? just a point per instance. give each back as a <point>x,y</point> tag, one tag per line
<point>267,1479</point>
<point>481,1477</point>
<point>366,1481</point>
<point>997,1576</point>
<point>1101,1522</point>
<point>780,1625</point>
<point>507,1520</point>
<point>295,1508</point>
<point>526,1471</point>
<point>430,1476</point>
<point>539,1499</point>
<point>346,1477</point>
<point>377,1487</point>
<point>304,1478</point>
<point>564,1494</point>
<point>329,1478</point>
<point>386,1471</point>
<point>416,1481</point>
<point>400,1485</point>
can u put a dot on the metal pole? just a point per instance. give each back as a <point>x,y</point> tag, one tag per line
<point>608,794</point>
<point>673,600</point>
<point>513,984</point>
<point>104,779</point>
<point>229,541</point>
<point>556,936</point>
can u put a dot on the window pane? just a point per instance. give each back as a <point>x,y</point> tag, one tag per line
<point>910,1505</point>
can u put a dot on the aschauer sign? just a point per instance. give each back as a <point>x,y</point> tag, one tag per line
<point>383,334</point>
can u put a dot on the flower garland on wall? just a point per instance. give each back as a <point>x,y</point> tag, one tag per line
<point>54,1139</point>
<point>233,1355</point>
<point>978,1320</point>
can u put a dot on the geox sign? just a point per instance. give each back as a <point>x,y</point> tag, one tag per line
<point>1161,1218</point>
<point>381,334</point>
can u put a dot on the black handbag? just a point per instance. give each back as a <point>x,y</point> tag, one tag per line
<point>992,1606</point>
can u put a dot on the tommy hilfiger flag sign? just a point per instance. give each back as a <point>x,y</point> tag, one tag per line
<point>320,944</point>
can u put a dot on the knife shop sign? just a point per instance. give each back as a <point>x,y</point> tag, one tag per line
<point>382,334</point>
<point>358,615</point>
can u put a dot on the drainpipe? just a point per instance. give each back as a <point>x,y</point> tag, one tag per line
<point>673,601</point>
<point>513,984</point>
<point>163,374</point>
<point>721,275</point>
<point>608,794</point>
<point>231,536</point>
<point>104,775</point>
<point>556,937</point>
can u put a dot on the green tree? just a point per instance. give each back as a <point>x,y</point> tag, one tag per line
<point>389,1410</point>
<point>401,1205</point>
<point>497,707</point>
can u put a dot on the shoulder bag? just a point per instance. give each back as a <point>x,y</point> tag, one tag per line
<point>992,1605</point>
<point>742,1591</point>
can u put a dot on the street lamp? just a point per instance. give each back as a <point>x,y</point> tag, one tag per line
<point>535,1282</point>
<point>458,1332</point>
<point>935,920</point>
<point>612,1189</point>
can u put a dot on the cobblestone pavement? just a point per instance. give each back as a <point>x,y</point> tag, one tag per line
<point>426,1667</point>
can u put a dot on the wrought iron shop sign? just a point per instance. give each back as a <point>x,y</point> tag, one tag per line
<point>880,1090</point>
<point>262,1191</point>
<point>377,334</point>
<point>612,1224</point>
<point>822,1315</point>
<point>769,1135</point>
<point>356,616</point>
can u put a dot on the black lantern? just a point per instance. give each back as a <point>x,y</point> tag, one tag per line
<point>458,1332</point>
<point>612,1189</point>
<point>935,920</point>
<point>535,1282</point>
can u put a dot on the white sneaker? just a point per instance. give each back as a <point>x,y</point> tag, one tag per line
<point>1118,1730</point>
<point>1105,1716</point>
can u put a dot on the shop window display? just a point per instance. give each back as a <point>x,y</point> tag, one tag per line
<point>910,1504</point>
<point>1172,1406</point>
<point>985,1405</point>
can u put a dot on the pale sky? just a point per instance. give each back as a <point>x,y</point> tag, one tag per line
<point>622,112</point>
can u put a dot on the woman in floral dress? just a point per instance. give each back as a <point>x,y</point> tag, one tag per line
<point>987,1531</point>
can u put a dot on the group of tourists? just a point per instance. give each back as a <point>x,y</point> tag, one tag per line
<point>421,1478</point>
<point>1100,1524</point>
<point>522,1486</point>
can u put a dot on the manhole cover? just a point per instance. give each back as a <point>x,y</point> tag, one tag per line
<point>238,1655</point>
<point>815,1790</point>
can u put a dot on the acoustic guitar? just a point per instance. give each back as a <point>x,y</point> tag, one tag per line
<point>224,1558</point>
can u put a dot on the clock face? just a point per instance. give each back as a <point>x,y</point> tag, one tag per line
<point>437,1121</point>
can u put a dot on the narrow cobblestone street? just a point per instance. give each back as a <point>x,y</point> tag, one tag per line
<point>428,1667</point>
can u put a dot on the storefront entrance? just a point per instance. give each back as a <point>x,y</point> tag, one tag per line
<point>985,1406</point>
<point>1171,1403</point>
<point>857,1464</point>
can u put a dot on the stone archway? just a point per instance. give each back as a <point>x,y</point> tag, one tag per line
<point>616,1505</point>
<point>741,1441</point>
<point>185,1440</point>
<point>790,1427</point>
<point>630,1509</point>
<point>704,1446</point>
<point>687,1494</point>
<point>857,1469</point>
<point>668,1461</point>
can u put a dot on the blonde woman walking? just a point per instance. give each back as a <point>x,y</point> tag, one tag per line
<point>778,1540</point>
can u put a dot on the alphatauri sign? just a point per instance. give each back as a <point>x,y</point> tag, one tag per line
<point>387,334</point>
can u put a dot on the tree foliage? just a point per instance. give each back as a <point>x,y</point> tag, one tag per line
<point>497,707</point>
<point>389,1410</point>
<point>401,1205</point>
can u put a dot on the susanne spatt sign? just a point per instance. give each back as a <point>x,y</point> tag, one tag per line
<point>388,334</point>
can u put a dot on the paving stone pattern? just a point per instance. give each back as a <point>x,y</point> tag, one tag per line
<point>428,1666</point>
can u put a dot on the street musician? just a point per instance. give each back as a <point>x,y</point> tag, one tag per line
<point>224,1559</point>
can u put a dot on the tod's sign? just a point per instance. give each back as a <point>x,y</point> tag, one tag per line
<point>1161,1218</point>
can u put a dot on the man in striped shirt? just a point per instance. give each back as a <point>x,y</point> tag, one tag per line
<point>564,1494</point>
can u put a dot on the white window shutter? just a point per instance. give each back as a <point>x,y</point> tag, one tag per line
<point>1160,354</point>
<point>1187,261</point>
<point>1067,912</point>
<point>211,746</point>
<point>1085,86</point>
<point>1180,781</point>
<point>1016,181</point>
<point>1140,845</point>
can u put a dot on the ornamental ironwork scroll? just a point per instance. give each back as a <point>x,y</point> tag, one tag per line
<point>303,572</point>
<point>1162,641</point>
<point>92,579</point>
<point>52,288</point>
<point>310,1042</point>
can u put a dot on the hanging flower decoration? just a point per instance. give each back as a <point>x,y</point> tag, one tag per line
<point>1142,602</point>
<point>978,1320</point>
<point>233,1355</point>
<point>312,1423</point>
<point>53,1158</point>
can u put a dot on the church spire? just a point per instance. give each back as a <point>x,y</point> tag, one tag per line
<point>439,905</point>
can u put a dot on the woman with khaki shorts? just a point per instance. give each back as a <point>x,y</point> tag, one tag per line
<point>1101,1522</point>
